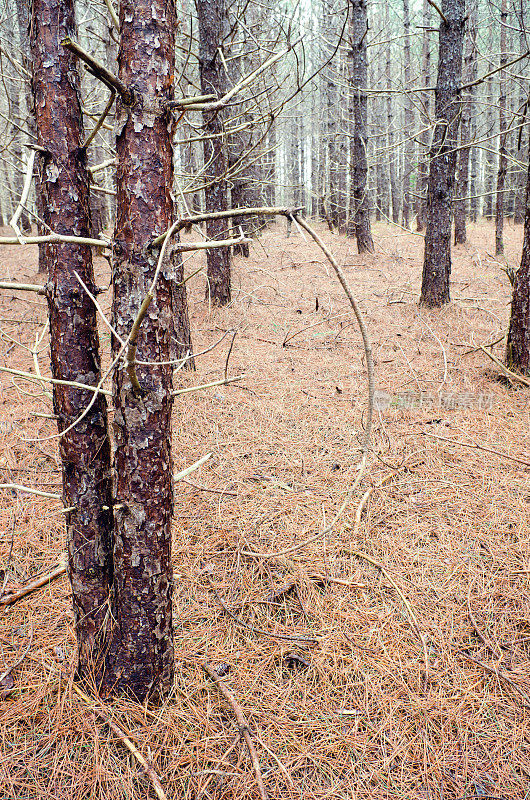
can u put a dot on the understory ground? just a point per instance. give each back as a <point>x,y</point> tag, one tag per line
<point>411,682</point>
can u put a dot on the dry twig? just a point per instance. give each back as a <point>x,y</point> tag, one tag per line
<point>243,726</point>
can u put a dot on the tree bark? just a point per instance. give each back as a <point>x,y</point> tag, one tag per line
<point>408,120</point>
<point>437,257</point>
<point>503,157</point>
<point>140,658</point>
<point>466,138</point>
<point>394,189</point>
<point>84,450</point>
<point>521,137</point>
<point>359,77</point>
<point>425,116</point>
<point>518,342</point>
<point>489,154</point>
<point>210,13</point>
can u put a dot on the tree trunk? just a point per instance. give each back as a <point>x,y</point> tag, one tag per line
<point>466,138</point>
<point>518,343</point>
<point>329,193</point>
<point>84,450</point>
<point>437,257</point>
<point>503,158</point>
<point>359,77</point>
<point>140,658</point>
<point>489,153</point>
<point>394,189</point>
<point>521,137</point>
<point>408,120</point>
<point>425,116</point>
<point>22,7</point>
<point>211,14</point>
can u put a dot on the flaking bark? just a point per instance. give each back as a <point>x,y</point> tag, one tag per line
<point>518,343</point>
<point>140,657</point>
<point>85,450</point>
<point>437,257</point>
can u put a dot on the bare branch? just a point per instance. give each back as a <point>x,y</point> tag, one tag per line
<point>100,71</point>
<point>12,597</point>
<point>29,376</point>
<point>220,382</point>
<point>266,211</point>
<point>24,196</point>
<point>101,120</point>
<point>113,15</point>
<point>18,488</point>
<point>439,10</point>
<point>23,287</point>
<point>55,238</point>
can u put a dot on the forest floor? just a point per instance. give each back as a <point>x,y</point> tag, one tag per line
<point>410,682</point>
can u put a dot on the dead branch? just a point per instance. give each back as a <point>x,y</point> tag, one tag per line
<point>513,376</point>
<point>99,71</point>
<point>222,101</point>
<point>242,723</point>
<point>29,588</point>
<point>28,376</point>
<point>101,120</point>
<point>187,222</point>
<point>113,15</point>
<point>356,310</point>
<point>24,196</point>
<point>493,71</point>
<point>23,287</point>
<point>55,238</point>
<point>477,447</point>
<point>220,382</point>
<point>439,10</point>
<point>260,631</point>
<point>151,774</point>
<point>188,470</point>
<point>29,490</point>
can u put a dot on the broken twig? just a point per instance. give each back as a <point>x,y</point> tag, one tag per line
<point>243,726</point>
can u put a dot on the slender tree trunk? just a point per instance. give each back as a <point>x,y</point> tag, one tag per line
<point>489,155</point>
<point>85,449</point>
<point>468,109</point>
<point>330,195</point>
<point>518,343</point>
<point>408,120</point>
<point>359,78</point>
<point>24,26</point>
<point>437,257</point>
<point>211,13</point>
<point>140,656</point>
<point>473,178</point>
<point>519,200</point>
<point>423,175</point>
<point>503,158</point>
<point>394,188</point>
